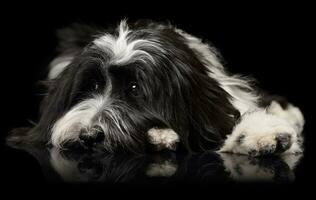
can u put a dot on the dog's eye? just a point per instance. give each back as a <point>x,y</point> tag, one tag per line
<point>133,89</point>
<point>96,86</point>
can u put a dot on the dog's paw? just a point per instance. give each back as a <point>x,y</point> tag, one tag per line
<point>163,138</point>
<point>272,143</point>
<point>260,133</point>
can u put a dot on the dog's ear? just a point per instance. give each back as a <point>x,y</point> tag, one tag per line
<point>54,104</point>
<point>74,38</point>
<point>17,137</point>
<point>71,41</point>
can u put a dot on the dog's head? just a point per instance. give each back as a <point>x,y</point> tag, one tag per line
<point>112,87</point>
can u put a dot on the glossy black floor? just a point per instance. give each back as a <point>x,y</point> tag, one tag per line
<point>271,43</point>
<point>161,167</point>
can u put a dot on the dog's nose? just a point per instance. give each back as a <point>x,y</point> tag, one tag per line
<point>94,136</point>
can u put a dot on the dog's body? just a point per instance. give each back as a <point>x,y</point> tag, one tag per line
<point>153,85</point>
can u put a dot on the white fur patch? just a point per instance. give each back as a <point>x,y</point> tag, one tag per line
<point>259,129</point>
<point>163,138</point>
<point>58,65</point>
<point>291,114</point>
<point>122,49</point>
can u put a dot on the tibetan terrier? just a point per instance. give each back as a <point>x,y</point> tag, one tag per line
<point>151,86</point>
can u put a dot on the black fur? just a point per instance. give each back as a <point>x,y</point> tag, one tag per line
<point>163,98</point>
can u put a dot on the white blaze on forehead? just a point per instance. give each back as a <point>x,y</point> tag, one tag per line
<point>122,49</point>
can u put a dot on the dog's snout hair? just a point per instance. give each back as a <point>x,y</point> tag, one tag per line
<point>116,120</point>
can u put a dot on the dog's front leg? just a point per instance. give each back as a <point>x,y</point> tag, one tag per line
<point>163,138</point>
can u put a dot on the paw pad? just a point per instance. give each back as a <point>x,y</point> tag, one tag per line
<point>269,149</point>
<point>253,153</point>
<point>283,142</point>
<point>279,144</point>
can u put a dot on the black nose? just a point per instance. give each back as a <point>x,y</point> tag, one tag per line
<point>92,137</point>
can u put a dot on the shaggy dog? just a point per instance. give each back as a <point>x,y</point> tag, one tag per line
<point>151,86</point>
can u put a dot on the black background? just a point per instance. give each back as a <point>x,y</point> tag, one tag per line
<point>272,42</point>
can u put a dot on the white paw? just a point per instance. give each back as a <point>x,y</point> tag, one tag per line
<point>163,138</point>
<point>260,133</point>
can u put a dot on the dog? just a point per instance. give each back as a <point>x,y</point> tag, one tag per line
<point>150,86</point>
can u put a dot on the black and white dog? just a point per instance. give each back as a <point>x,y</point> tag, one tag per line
<point>151,85</point>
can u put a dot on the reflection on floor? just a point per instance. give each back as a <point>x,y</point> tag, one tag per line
<point>162,167</point>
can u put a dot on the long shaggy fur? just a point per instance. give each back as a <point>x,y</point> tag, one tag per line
<point>108,88</point>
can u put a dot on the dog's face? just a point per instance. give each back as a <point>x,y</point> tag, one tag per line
<point>124,83</point>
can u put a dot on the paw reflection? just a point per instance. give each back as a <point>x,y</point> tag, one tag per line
<point>165,169</point>
<point>244,168</point>
<point>161,167</point>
